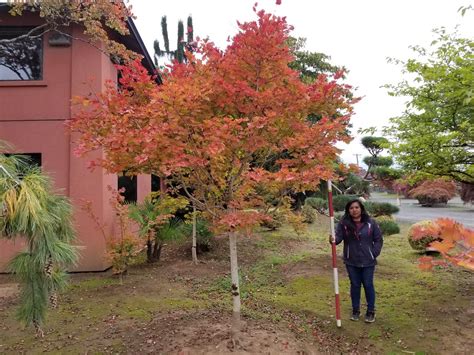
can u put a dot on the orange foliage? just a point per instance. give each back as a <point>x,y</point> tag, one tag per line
<point>427,262</point>
<point>421,234</point>
<point>218,119</point>
<point>455,243</point>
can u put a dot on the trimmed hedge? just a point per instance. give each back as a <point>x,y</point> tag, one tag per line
<point>340,201</point>
<point>376,209</point>
<point>338,216</point>
<point>387,225</point>
<point>204,235</point>
<point>309,214</point>
<point>277,219</point>
<point>317,203</point>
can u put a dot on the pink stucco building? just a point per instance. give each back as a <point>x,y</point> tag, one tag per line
<point>35,103</point>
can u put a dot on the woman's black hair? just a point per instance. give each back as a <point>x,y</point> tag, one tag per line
<point>364,214</point>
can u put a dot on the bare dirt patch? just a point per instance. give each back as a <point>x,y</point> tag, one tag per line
<point>9,290</point>
<point>307,268</point>
<point>209,333</point>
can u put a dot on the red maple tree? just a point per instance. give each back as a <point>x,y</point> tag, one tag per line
<point>218,121</point>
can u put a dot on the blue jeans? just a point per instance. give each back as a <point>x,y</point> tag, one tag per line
<point>362,276</point>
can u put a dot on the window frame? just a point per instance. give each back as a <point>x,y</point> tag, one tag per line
<point>25,29</point>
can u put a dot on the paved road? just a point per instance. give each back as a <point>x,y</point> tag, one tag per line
<point>411,211</point>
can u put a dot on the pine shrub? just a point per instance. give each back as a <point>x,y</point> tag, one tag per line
<point>387,225</point>
<point>376,209</point>
<point>340,201</point>
<point>308,213</point>
<point>204,234</point>
<point>275,222</point>
<point>338,216</point>
<point>318,203</point>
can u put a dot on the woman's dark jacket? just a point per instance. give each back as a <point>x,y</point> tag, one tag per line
<point>360,248</point>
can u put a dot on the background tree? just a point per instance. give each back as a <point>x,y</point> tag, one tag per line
<point>214,124</point>
<point>379,168</point>
<point>431,192</point>
<point>435,134</point>
<point>313,66</point>
<point>375,146</point>
<point>467,193</point>
<point>31,209</point>
<point>309,64</point>
<point>181,45</point>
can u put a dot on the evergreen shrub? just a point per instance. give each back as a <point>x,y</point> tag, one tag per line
<point>376,209</point>
<point>387,225</point>
<point>276,221</point>
<point>308,213</point>
<point>318,203</point>
<point>204,234</point>
<point>340,201</point>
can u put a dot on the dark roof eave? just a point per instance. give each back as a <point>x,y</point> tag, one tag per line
<point>147,61</point>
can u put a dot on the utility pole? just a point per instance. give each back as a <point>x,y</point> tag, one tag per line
<point>357,158</point>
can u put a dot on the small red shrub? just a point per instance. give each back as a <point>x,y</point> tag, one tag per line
<point>431,192</point>
<point>404,185</point>
<point>421,234</point>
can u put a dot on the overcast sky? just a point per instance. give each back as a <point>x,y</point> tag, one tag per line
<point>359,35</point>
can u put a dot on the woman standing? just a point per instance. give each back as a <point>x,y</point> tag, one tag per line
<point>362,245</point>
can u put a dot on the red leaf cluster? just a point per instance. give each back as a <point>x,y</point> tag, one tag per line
<point>455,243</point>
<point>434,191</point>
<point>218,119</point>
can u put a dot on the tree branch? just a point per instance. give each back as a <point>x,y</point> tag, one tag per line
<point>29,34</point>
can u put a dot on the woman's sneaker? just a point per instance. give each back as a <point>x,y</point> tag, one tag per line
<point>370,317</point>
<point>355,315</point>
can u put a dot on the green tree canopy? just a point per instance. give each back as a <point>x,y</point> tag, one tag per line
<point>309,64</point>
<point>378,161</point>
<point>374,145</point>
<point>435,134</point>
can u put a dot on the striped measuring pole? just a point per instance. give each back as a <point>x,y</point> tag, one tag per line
<point>334,256</point>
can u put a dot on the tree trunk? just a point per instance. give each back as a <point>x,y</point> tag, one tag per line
<point>235,289</point>
<point>157,250</point>
<point>149,251</point>
<point>194,248</point>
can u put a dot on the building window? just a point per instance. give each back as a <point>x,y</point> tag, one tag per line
<point>34,159</point>
<point>155,183</point>
<point>129,183</point>
<point>21,59</point>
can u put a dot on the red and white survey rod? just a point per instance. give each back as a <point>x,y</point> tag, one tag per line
<point>334,255</point>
